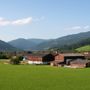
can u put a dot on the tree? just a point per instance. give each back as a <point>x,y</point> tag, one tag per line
<point>15,60</point>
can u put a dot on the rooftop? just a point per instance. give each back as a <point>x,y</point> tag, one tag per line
<point>73,54</point>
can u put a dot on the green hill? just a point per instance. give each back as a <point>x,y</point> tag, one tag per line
<point>84,48</point>
<point>6,47</point>
<point>65,42</point>
<point>25,44</point>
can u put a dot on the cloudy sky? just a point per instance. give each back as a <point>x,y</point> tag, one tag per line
<point>44,19</point>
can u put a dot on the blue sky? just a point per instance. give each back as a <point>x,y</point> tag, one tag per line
<point>44,19</point>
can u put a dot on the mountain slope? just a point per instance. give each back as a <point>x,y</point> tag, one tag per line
<point>25,44</point>
<point>6,47</point>
<point>37,41</point>
<point>81,43</point>
<point>66,40</point>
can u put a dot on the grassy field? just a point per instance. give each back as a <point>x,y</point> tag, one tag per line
<point>28,77</point>
<point>84,48</point>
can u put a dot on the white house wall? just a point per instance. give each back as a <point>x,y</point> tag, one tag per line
<point>35,62</point>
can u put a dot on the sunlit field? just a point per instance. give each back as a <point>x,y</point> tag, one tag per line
<point>32,77</point>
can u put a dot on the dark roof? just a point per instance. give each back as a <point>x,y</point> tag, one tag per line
<point>38,54</point>
<point>73,54</point>
<point>80,61</point>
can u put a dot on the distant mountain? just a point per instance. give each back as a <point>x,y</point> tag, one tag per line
<point>63,41</point>
<point>26,44</point>
<point>6,47</point>
<point>37,41</point>
<point>74,46</point>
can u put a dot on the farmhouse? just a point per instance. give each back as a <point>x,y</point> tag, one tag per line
<point>40,58</point>
<point>74,60</point>
<point>66,58</point>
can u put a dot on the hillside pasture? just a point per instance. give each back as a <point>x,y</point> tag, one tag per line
<point>83,49</point>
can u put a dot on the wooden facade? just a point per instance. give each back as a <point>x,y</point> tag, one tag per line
<point>59,57</point>
<point>66,58</point>
<point>80,63</point>
<point>40,58</point>
<point>76,60</point>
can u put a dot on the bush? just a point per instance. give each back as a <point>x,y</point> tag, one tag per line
<point>2,56</point>
<point>15,60</point>
<point>20,58</point>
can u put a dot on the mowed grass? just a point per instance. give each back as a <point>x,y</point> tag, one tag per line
<point>32,77</point>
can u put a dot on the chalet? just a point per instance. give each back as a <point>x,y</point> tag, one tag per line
<point>40,58</point>
<point>66,58</point>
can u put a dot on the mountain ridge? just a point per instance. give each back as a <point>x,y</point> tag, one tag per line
<point>6,47</point>
<point>25,44</point>
<point>51,43</point>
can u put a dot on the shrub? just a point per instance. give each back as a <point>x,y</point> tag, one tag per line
<point>2,56</point>
<point>20,58</point>
<point>14,60</point>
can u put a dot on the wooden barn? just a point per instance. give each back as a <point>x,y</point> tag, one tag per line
<point>72,57</point>
<point>40,58</point>
<point>60,59</point>
<point>66,58</point>
<point>80,63</point>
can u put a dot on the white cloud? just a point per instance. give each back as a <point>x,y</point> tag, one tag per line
<point>73,28</point>
<point>4,22</point>
<point>78,27</point>
<point>22,21</point>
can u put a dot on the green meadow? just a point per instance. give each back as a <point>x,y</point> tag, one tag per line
<point>84,48</point>
<point>34,77</point>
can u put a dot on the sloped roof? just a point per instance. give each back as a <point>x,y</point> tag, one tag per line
<point>39,54</point>
<point>73,54</point>
<point>80,61</point>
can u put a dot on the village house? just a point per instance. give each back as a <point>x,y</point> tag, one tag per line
<point>40,58</point>
<point>73,60</point>
<point>66,58</point>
